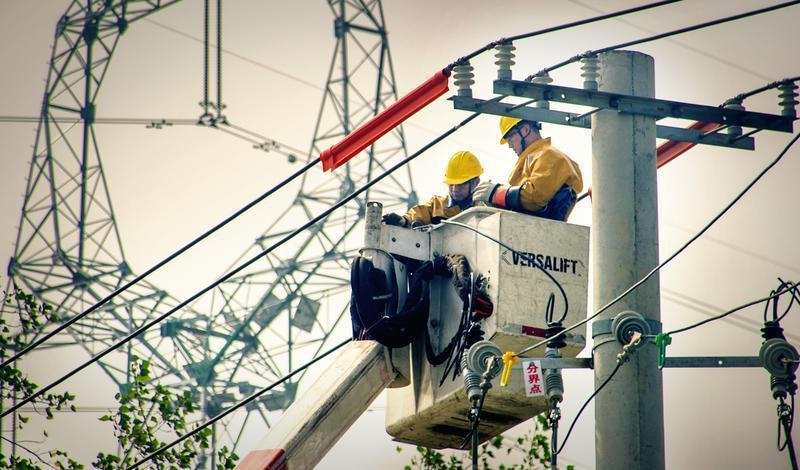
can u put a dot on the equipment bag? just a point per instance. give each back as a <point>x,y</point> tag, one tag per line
<point>374,308</point>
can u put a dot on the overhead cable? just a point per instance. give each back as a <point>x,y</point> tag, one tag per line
<point>586,403</point>
<point>742,96</point>
<point>300,171</point>
<point>236,406</point>
<point>773,296</point>
<point>673,255</point>
<point>664,35</point>
<point>158,265</point>
<point>239,268</point>
<point>553,29</point>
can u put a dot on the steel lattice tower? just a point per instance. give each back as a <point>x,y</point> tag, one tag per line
<point>262,323</point>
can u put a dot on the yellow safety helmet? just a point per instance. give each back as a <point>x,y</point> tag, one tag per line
<point>462,167</point>
<point>506,124</point>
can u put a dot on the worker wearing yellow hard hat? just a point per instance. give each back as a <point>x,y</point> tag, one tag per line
<point>462,176</point>
<point>544,182</point>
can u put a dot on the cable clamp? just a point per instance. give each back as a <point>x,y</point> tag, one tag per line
<point>662,340</point>
<point>628,349</point>
<point>509,359</point>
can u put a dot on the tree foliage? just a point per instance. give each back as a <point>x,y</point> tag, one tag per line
<point>531,451</point>
<point>148,414</point>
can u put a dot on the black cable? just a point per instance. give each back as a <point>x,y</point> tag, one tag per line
<point>675,254</point>
<point>786,421</point>
<point>795,298</point>
<point>742,96</point>
<point>775,295</point>
<point>575,420</point>
<point>522,255</point>
<point>247,263</point>
<point>664,35</point>
<point>558,28</point>
<point>238,405</point>
<point>160,264</point>
<point>39,457</point>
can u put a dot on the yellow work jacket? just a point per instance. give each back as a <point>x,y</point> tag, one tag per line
<point>432,211</point>
<point>541,171</point>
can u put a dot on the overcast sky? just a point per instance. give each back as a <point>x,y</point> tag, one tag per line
<point>168,185</point>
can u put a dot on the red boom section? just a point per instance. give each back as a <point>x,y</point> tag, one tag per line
<point>385,121</point>
<point>672,149</point>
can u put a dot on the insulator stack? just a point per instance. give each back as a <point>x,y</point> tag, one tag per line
<point>734,131</point>
<point>590,67</point>
<point>505,59</point>
<point>787,95</point>
<point>472,381</point>
<point>543,78</point>
<point>553,382</point>
<point>462,79</point>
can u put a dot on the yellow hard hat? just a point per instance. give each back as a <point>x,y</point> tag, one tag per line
<point>463,166</point>
<point>506,124</point>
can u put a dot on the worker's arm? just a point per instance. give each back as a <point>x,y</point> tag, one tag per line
<point>549,172</point>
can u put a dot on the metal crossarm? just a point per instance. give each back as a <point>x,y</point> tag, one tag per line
<point>583,120</point>
<point>646,106</point>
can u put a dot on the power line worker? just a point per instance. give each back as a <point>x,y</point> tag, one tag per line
<point>461,176</point>
<point>544,181</point>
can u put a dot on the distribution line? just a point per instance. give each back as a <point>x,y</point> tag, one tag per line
<point>242,266</point>
<point>238,405</point>
<point>774,295</point>
<point>586,403</point>
<point>664,35</point>
<point>159,265</point>
<point>559,28</point>
<point>302,170</point>
<point>673,255</point>
<point>742,96</point>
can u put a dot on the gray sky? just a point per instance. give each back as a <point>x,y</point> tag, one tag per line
<point>168,185</point>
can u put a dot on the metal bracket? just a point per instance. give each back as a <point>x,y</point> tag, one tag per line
<point>500,108</point>
<point>642,105</point>
<point>678,362</point>
<point>603,327</point>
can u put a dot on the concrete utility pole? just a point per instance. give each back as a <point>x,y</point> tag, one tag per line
<point>629,415</point>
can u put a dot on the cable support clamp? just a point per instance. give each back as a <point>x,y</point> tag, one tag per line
<point>604,327</point>
<point>636,340</point>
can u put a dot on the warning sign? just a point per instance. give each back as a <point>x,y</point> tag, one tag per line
<point>532,371</point>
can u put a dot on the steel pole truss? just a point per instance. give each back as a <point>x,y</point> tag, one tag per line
<point>281,302</point>
<point>261,324</point>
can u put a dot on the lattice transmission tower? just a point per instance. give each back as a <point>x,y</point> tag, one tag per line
<point>263,323</point>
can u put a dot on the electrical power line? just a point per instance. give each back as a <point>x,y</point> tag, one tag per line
<point>238,405</point>
<point>586,403</point>
<point>774,295</point>
<point>665,35</point>
<point>159,265</point>
<point>573,24</point>
<point>673,255</point>
<point>299,172</point>
<point>242,266</point>
<point>708,55</point>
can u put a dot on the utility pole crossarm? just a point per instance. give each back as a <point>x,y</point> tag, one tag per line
<point>644,106</point>
<point>552,116</point>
